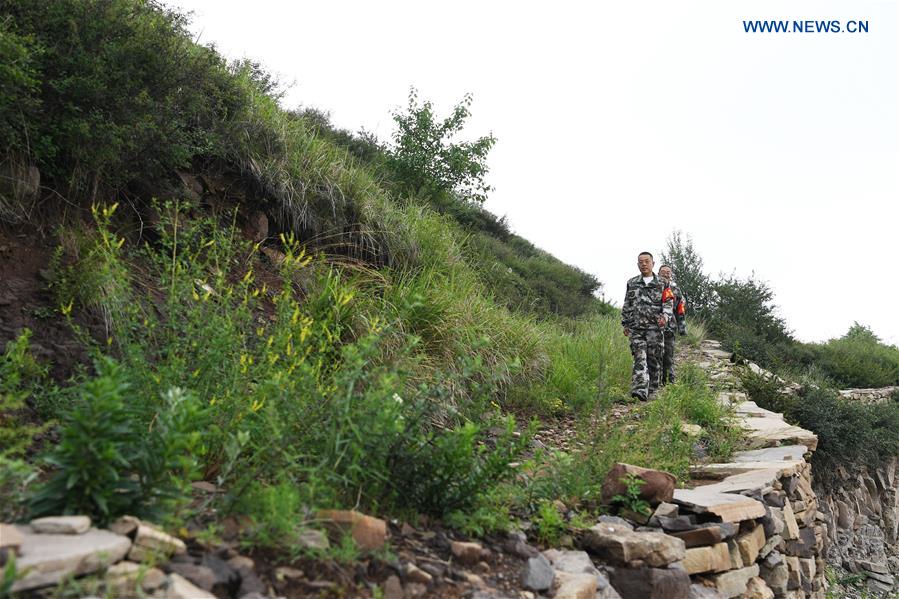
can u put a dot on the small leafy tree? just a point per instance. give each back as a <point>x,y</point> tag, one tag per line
<point>426,160</point>
<point>687,265</point>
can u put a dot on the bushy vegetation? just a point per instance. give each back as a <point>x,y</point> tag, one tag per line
<point>108,92</point>
<point>741,313</point>
<point>18,370</point>
<point>851,435</point>
<point>320,392</point>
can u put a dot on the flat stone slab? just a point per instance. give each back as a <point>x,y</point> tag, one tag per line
<point>750,480</point>
<point>784,453</point>
<point>752,409</point>
<point>727,506</point>
<point>48,558</point>
<point>786,460</point>
<point>61,525</point>
<point>770,431</point>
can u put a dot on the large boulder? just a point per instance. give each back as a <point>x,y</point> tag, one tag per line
<point>658,486</point>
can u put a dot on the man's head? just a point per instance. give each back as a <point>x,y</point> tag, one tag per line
<point>645,263</point>
<point>665,272</point>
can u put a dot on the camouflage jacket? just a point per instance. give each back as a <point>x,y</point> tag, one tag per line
<point>679,322</point>
<point>645,302</point>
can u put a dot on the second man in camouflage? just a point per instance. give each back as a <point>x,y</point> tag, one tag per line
<point>675,326</point>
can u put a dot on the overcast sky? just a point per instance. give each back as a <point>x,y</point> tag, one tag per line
<point>618,122</point>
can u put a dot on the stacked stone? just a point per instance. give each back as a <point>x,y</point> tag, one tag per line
<point>792,563</point>
<point>870,396</point>
<point>50,550</point>
<point>709,543</point>
<point>862,517</point>
<point>756,532</point>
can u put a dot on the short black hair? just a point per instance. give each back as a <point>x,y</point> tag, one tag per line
<point>648,254</point>
<point>668,266</point>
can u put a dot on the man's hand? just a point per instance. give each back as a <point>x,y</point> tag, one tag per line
<point>663,320</point>
<point>627,333</point>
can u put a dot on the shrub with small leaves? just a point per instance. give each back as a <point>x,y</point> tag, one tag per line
<point>631,498</point>
<point>18,370</point>
<point>108,463</point>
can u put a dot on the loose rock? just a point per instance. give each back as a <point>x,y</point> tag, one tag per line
<point>46,559</point>
<point>150,541</point>
<point>61,525</point>
<point>537,574</point>
<point>369,533</point>
<point>575,586</point>
<point>467,552</point>
<point>621,545</point>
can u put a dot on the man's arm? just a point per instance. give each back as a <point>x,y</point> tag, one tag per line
<point>626,312</point>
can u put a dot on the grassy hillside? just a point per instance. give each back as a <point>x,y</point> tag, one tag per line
<point>302,316</point>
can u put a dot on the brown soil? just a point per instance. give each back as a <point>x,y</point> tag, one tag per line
<point>27,302</point>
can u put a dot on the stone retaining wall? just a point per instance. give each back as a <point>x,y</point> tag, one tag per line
<point>765,491</point>
<point>863,526</point>
<point>869,396</point>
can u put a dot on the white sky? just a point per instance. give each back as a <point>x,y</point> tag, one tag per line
<point>618,122</point>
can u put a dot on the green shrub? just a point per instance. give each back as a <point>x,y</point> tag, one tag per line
<point>767,391</point>
<point>860,359</point>
<point>277,514</point>
<point>549,523</point>
<point>631,498</point>
<point>123,91</point>
<point>18,373</point>
<point>108,464</point>
<point>16,480</point>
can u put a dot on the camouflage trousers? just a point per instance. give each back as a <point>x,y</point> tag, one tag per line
<point>667,375</point>
<point>646,348</point>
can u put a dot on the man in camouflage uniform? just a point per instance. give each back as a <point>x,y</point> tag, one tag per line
<point>648,307</point>
<point>675,326</point>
